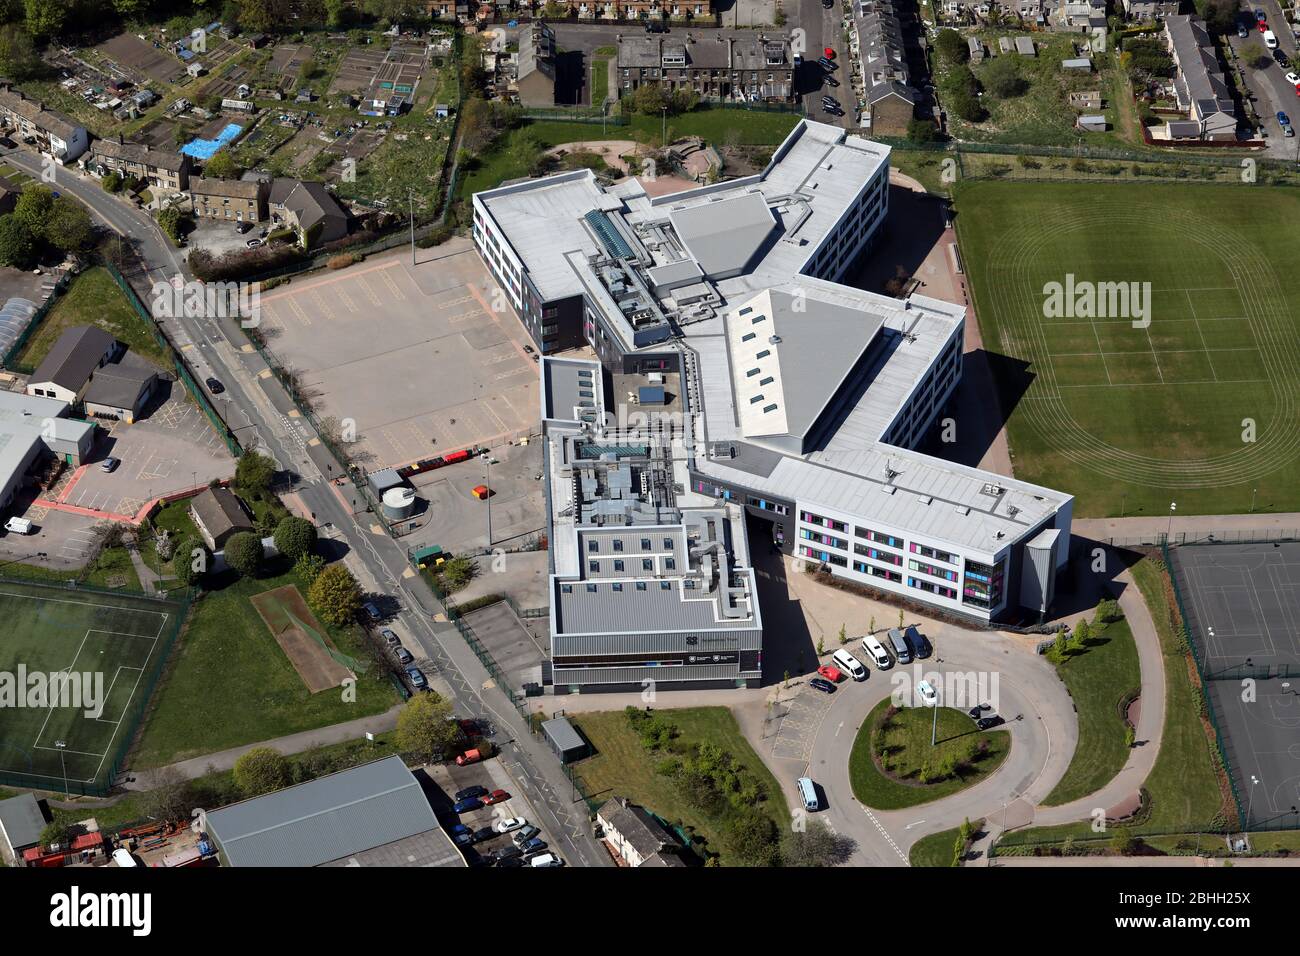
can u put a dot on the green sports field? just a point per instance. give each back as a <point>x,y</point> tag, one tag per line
<point>117,639</point>
<point>1202,406</point>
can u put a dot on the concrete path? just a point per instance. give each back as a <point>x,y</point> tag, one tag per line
<point>289,744</point>
<point>1186,528</point>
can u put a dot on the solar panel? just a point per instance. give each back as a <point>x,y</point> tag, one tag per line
<point>614,244</point>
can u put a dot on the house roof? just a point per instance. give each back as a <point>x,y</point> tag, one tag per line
<point>22,820</point>
<point>74,357</point>
<point>327,819</point>
<point>32,111</point>
<point>311,203</point>
<point>119,384</point>
<point>225,188</point>
<point>636,827</point>
<point>219,511</point>
<point>139,153</point>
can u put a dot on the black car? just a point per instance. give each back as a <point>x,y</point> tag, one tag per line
<point>484,833</point>
<point>830,101</point>
<point>507,853</point>
<point>475,791</point>
<point>920,645</point>
<point>823,685</point>
<point>1281,58</point>
<point>8,143</point>
<point>831,80</point>
<point>828,4</point>
<point>214,386</point>
<point>978,710</point>
<point>987,723</point>
<point>510,861</point>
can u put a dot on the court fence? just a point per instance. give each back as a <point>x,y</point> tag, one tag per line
<point>10,359</point>
<point>181,601</point>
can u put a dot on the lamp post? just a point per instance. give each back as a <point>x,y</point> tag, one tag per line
<point>1173,506</point>
<point>934,723</point>
<point>487,480</point>
<point>62,745</point>
<point>1250,803</point>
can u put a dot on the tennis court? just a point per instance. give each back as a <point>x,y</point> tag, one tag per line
<point>77,667</point>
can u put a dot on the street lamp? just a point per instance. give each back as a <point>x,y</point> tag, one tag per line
<point>487,480</point>
<point>62,745</point>
<point>1173,506</point>
<point>934,723</point>
<point>1250,803</point>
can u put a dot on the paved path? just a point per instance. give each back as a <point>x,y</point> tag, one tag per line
<point>290,744</point>
<point>1186,528</point>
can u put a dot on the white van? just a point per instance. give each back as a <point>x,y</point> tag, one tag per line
<point>123,857</point>
<point>1270,39</point>
<point>809,794</point>
<point>876,651</point>
<point>849,664</point>
<point>19,525</point>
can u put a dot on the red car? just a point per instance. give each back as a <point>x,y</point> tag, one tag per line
<point>832,674</point>
<point>1262,24</point>
<point>496,796</point>
<point>829,53</point>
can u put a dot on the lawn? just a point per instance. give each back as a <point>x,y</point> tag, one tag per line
<point>93,298</point>
<point>230,683</point>
<point>907,746</point>
<point>935,849</point>
<point>1099,679</point>
<point>1184,786</point>
<point>622,767</point>
<point>1195,407</point>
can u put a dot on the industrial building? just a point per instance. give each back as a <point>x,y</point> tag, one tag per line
<point>789,399</point>
<point>32,427</point>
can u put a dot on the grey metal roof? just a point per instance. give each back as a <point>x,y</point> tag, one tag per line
<point>74,357</point>
<point>120,384</point>
<point>21,820</point>
<point>219,511</point>
<point>326,819</point>
<point>561,733</point>
<point>636,827</point>
<point>724,236</point>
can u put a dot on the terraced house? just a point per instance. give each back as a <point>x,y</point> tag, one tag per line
<point>752,66</point>
<point>159,168</point>
<point>53,132</point>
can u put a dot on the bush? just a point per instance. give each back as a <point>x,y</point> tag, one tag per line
<point>261,770</point>
<point>244,553</point>
<point>343,260</point>
<point>951,46</point>
<point>295,537</point>
<point>335,595</point>
<point>922,131</point>
<point>309,567</point>
<point>1003,80</point>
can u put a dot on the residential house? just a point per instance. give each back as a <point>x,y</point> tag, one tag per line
<point>1148,10</point>
<point>68,367</point>
<point>120,390</point>
<point>535,75</point>
<point>1199,84</point>
<point>310,209</point>
<point>237,200</point>
<point>54,133</point>
<point>1078,16</point>
<point>891,100</point>
<point>159,168</point>
<point>717,64</point>
<point>218,515</point>
<point>636,835</point>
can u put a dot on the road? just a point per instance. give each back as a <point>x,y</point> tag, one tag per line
<point>822,29</point>
<point>1271,91</point>
<point>263,417</point>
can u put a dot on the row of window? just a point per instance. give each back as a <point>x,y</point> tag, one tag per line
<point>877,555</point>
<point>647,564</point>
<point>931,587</point>
<point>863,568</point>
<point>825,557</point>
<point>925,551</point>
<point>810,518</point>
<point>618,586</point>
<point>593,545</point>
<point>945,573</point>
<point>766,505</point>
<point>825,539</point>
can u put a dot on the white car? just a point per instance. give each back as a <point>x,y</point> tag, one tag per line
<point>509,823</point>
<point>926,693</point>
<point>1293,78</point>
<point>545,859</point>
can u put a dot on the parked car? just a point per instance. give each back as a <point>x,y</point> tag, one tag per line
<point>918,642</point>
<point>510,862</point>
<point>506,853</point>
<point>390,638</point>
<point>828,4</point>
<point>483,833</point>
<point>417,678</point>
<point>826,64</point>
<point>496,796</point>
<point>831,673</point>
<point>8,143</point>
<point>526,833</point>
<point>474,791</point>
<point>830,80</point>
<point>977,711</point>
<point>403,655</point>
<point>109,465</point>
<point>927,693</point>
<point>529,349</point>
<point>545,859</point>
<point>986,723</point>
<point>461,834</point>
<point>468,757</point>
<point>510,823</point>
<point>533,845</point>
<point>243,227</point>
<point>1288,130</point>
<point>1242,32</point>
<point>372,611</point>
<point>214,386</point>
<point>822,685</point>
<point>467,805</point>
<point>1282,59</point>
<point>1283,119</point>
<point>253,243</point>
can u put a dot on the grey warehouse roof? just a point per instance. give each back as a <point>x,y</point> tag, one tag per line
<point>22,820</point>
<point>326,819</point>
<point>724,235</point>
<point>74,357</point>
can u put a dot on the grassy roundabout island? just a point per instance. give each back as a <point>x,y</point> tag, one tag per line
<point>893,765</point>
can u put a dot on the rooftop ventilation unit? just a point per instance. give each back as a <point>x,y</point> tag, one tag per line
<point>774,340</point>
<point>992,490</point>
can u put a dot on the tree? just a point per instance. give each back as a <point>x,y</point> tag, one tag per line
<point>922,131</point>
<point>263,15</point>
<point>17,245</point>
<point>69,227</point>
<point>167,795</point>
<point>18,59</point>
<point>457,573</point>
<point>425,728</point>
<point>295,537</point>
<point>1108,611</point>
<point>844,634</point>
<point>261,770</point>
<point>222,166</point>
<point>816,845</point>
<point>191,561</point>
<point>254,472</point>
<point>966,105</point>
<point>309,567</point>
<point>46,18</point>
<point>244,553</point>
<point>1080,637</point>
<point>951,46</point>
<point>336,13</point>
<point>1003,80</point>
<point>335,595</point>
<point>33,208</point>
<point>752,837</point>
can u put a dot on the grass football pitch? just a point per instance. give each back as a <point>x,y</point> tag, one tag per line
<point>1201,405</point>
<point>116,639</point>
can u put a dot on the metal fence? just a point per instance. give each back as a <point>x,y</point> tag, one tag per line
<point>11,355</point>
<point>179,364</point>
<point>1158,539</point>
<point>181,600</point>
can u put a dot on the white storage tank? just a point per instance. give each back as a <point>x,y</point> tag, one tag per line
<point>399,503</point>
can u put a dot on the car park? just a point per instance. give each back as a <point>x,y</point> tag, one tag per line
<point>510,823</point>
<point>474,791</point>
<point>927,693</point>
<point>986,723</point>
<point>876,651</point>
<point>109,465</point>
<point>496,796</point>
<point>823,685</point>
<point>831,673</point>
<point>417,678</point>
<point>468,804</point>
